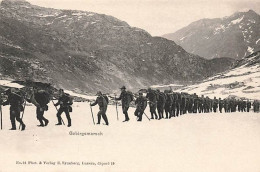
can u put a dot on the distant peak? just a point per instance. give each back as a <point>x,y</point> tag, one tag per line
<point>246,12</point>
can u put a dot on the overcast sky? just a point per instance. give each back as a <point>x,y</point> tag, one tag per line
<point>158,17</point>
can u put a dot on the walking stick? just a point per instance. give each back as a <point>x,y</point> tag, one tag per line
<point>22,114</point>
<point>147,116</point>
<point>116,109</point>
<point>57,111</point>
<point>92,114</point>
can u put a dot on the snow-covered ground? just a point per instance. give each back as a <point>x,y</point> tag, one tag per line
<point>202,142</point>
<point>243,81</point>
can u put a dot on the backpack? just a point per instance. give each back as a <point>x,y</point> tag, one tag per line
<point>156,95</point>
<point>131,95</point>
<point>106,98</point>
<point>46,96</point>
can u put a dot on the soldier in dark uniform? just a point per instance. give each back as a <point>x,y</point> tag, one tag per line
<point>244,106</point>
<point>183,104</point>
<point>141,103</point>
<point>126,99</point>
<point>248,105</point>
<point>40,98</point>
<point>174,104</point>
<point>215,104</point>
<point>65,102</point>
<point>15,101</point>
<point>168,104</point>
<point>190,101</point>
<point>256,105</point>
<point>151,96</point>
<point>226,105</point>
<point>201,104</point>
<point>220,105</point>
<point>178,104</point>
<point>206,105</point>
<point>196,102</point>
<point>101,101</point>
<point>161,104</point>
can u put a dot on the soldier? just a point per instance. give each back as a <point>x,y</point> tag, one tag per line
<point>215,104</point>
<point>226,105</point>
<point>206,105</point>
<point>196,102</point>
<point>15,101</point>
<point>248,105</point>
<point>178,104</point>
<point>65,102</point>
<point>183,104</point>
<point>40,98</point>
<point>256,106</point>
<point>201,104</point>
<point>126,97</point>
<point>160,103</point>
<point>220,105</point>
<point>102,102</point>
<point>174,105</point>
<point>168,104</point>
<point>141,103</point>
<point>151,96</point>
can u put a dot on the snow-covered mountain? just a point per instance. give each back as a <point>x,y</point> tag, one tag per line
<point>90,51</point>
<point>235,36</point>
<point>241,81</point>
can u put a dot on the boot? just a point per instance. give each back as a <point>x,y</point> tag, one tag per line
<point>69,123</point>
<point>105,119</point>
<point>46,122</point>
<point>99,119</point>
<point>23,126</point>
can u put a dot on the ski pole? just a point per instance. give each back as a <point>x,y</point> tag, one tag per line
<point>147,116</point>
<point>57,111</point>
<point>92,114</point>
<point>116,109</point>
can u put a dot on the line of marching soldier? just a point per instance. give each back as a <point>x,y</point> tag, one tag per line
<point>174,104</point>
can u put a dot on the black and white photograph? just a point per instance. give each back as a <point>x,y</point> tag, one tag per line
<point>130,85</point>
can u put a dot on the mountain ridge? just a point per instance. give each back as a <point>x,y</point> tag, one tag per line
<point>234,36</point>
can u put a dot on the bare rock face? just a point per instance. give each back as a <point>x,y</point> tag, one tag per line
<point>88,51</point>
<point>236,36</point>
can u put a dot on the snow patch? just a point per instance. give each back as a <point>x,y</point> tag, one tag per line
<point>10,84</point>
<point>257,41</point>
<point>237,20</point>
<point>250,49</point>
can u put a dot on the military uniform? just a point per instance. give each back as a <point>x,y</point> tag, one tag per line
<point>102,103</point>
<point>151,96</point>
<point>126,99</point>
<point>65,103</point>
<point>141,103</point>
<point>15,101</point>
<point>161,104</point>
<point>168,105</point>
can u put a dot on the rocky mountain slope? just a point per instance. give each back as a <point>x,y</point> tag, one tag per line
<point>235,36</point>
<point>87,51</point>
<point>242,80</point>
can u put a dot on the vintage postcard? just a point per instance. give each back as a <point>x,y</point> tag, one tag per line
<point>130,85</point>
